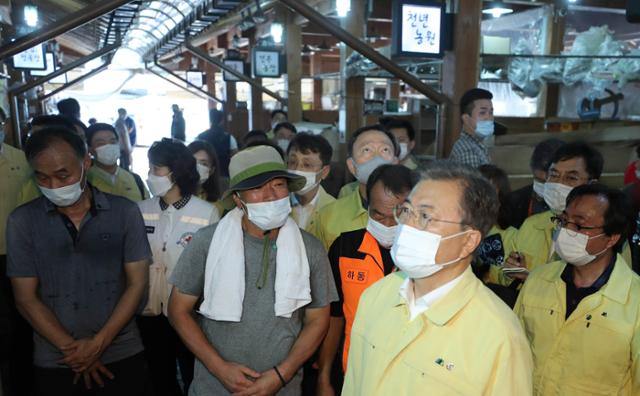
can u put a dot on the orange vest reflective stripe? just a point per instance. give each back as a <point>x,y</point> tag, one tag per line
<point>356,275</point>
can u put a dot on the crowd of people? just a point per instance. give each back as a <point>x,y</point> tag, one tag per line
<point>233,268</point>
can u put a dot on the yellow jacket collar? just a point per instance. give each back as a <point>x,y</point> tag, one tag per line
<point>443,310</point>
<point>355,201</point>
<point>618,287</point>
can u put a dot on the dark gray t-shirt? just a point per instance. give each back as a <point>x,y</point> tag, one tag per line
<point>260,340</point>
<point>80,281</point>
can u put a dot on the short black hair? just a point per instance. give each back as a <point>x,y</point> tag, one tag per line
<point>174,154</point>
<point>543,152</point>
<point>69,107</point>
<point>376,127</point>
<point>500,180</point>
<point>79,124</point>
<point>618,216</point>
<point>52,121</point>
<point>255,135</point>
<point>216,117</point>
<point>592,157</point>
<point>40,140</point>
<point>397,179</point>
<point>479,197</point>
<point>393,123</point>
<point>467,101</point>
<point>211,186</point>
<point>285,125</point>
<point>100,126</point>
<point>278,111</point>
<point>308,143</point>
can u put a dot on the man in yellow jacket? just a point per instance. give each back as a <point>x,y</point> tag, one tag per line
<point>582,313</point>
<point>309,156</point>
<point>368,148</point>
<point>572,165</point>
<point>433,327</point>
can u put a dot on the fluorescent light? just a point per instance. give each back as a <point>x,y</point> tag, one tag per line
<point>497,12</point>
<point>573,1</point>
<point>277,30</point>
<point>343,7</point>
<point>31,15</point>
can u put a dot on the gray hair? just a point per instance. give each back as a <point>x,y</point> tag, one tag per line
<point>479,202</point>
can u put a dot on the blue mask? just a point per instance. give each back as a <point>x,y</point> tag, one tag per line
<point>484,129</point>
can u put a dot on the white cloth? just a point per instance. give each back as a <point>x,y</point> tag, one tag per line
<point>420,305</point>
<point>224,275</point>
<point>304,212</point>
<point>169,232</point>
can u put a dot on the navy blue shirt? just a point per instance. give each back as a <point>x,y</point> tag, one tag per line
<point>577,294</point>
<point>80,273</point>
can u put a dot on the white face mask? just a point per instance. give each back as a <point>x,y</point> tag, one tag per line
<point>573,249</point>
<point>383,234</point>
<point>414,251</point>
<point>108,154</point>
<point>555,196</point>
<point>485,128</point>
<point>538,188</point>
<point>363,171</point>
<point>404,151</point>
<point>159,185</point>
<point>283,144</point>
<point>64,196</point>
<point>311,182</point>
<point>203,171</point>
<point>269,215</point>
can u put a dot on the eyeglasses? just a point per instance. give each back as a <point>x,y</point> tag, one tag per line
<point>563,222</point>
<point>405,212</point>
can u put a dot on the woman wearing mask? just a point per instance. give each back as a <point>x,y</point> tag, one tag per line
<point>209,188</point>
<point>171,217</point>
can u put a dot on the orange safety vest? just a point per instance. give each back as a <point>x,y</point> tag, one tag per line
<point>356,275</point>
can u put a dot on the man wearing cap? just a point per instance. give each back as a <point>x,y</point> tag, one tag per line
<point>265,286</point>
<point>477,125</point>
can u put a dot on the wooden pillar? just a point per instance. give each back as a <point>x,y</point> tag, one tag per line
<point>353,112</point>
<point>257,108</point>
<point>293,45</point>
<point>555,45</point>
<point>393,89</point>
<point>317,94</point>
<point>210,72</point>
<point>230,86</point>
<point>461,67</point>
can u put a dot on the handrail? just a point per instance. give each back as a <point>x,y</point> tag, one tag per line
<point>77,80</point>
<point>189,83</point>
<point>72,21</point>
<point>149,69</point>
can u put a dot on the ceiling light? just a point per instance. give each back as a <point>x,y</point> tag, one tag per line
<point>277,30</point>
<point>31,15</point>
<point>343,7</point>
<point>497,12</point>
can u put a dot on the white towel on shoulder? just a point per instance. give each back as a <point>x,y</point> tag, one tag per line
<point>224,275</point>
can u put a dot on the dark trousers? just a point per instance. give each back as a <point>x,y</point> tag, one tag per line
<point>16,342</point>
<point>131,378</point>
<point>165,352</point>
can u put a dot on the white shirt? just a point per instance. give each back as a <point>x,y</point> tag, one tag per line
<point>416,307</point>
<point>169,231</point>
<point>303,213</point>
